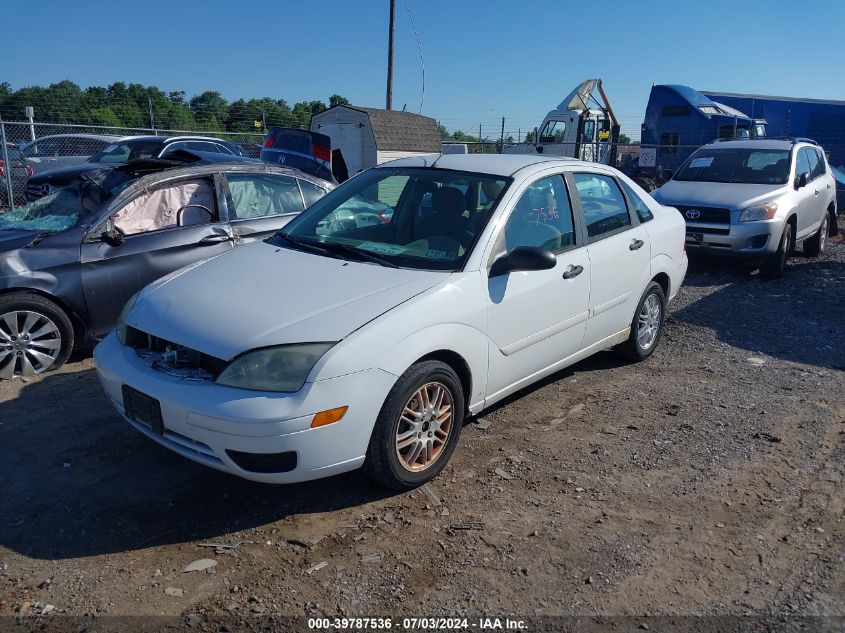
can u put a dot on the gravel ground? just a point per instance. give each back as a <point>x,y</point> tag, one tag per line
<point>706,481</point>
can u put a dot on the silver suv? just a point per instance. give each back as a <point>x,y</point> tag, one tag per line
<point>755,199</point>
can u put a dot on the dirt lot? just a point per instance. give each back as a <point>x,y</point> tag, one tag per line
<point>705,481</point>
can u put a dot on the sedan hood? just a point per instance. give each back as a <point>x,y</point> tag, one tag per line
<point>63,175</point>
<point>727,195</point>
<point>261,295</point>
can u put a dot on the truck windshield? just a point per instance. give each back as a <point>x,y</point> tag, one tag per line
<point>739,165</point>
<point>420,218</point>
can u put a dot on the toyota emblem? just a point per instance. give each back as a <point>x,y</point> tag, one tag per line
<point>693,214</point>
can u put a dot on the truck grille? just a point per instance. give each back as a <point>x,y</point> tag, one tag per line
<point>704,215</point>
<point>174,359</point>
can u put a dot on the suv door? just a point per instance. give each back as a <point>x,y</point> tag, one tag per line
<point>810,201</point>
<point>620,254</point>
<point>537,318</point>
<point>157,240</point>
<point>260,204</point>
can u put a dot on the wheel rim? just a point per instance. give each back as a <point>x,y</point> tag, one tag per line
<point>29,343</point>
<point>425,425</point>
<point>648,323</point>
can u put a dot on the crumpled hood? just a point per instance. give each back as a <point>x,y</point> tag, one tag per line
<point>63,175</point>
<point>261,295</point>
<point>725,195</point>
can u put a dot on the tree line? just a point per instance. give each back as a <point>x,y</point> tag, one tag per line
<point>137,106</point>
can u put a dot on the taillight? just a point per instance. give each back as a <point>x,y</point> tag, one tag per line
<point>2,169</point>
<point>385,217</point>
<point>29,170</point>
<point>322,153</point>
<point>270,140</point>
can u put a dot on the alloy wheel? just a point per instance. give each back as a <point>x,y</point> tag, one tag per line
<point>29,343</point>
<point>648,323</point>
<point>425,425</point>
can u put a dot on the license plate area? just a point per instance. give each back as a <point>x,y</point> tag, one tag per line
<point>696,237</point>
<point>143,409</point>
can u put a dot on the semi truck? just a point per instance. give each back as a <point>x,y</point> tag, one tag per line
<point>581,126</point>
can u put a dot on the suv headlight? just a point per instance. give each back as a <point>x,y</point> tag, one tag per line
<point>283,368</point>
<point>759,212</point>
<point>120,327</point>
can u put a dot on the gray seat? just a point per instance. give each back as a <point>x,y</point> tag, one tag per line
<point>447,219</point>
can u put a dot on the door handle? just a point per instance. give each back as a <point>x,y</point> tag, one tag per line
<point>572,271</point>
<point>216,238</point>
<point>635,244</point>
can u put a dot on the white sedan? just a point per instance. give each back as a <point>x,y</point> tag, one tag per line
<point>339,344</point>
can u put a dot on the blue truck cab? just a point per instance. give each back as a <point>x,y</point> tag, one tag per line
<point>679,120</point>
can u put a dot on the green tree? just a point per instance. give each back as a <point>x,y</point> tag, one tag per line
<point>338,100</point>
<point>624,139</point>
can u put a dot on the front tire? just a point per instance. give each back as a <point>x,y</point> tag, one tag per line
<point>775,265</point>
<point>647,324</point>
<point>418,427</point>
<point>35,335</point>
<point>814,246</point>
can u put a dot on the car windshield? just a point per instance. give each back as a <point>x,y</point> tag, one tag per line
<point>408,217</point>
<point>58,211</point>
<point>124,151</point>
<point>739,165</point>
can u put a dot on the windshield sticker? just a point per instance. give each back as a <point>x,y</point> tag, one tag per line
<point>704,161</point>
<point>382,249</point>
<point>437,255</point>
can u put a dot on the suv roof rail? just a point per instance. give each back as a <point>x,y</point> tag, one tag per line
<point>793,139</point>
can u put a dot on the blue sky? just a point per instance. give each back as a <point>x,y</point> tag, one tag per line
<point>483,60</point>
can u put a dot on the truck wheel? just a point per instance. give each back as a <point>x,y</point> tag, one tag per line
<point>35,335</point>
<point>814,246</point>
<point>775,265</point>
<point>418,427</point>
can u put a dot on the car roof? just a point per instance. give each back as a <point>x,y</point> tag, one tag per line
<point>493,164</point>
<point>98,137</point>
<point>169,139</point>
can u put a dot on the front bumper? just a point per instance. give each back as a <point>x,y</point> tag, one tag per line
<point>209,423</point>
<point>746,240</point>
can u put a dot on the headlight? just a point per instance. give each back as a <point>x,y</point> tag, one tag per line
<point>758,212</point>
<point>282,368</point>
<point>120,326</point>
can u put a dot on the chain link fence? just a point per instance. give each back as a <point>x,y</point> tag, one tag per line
<point>27,149</point>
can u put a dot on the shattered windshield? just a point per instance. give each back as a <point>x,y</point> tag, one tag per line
<point>54,213</point>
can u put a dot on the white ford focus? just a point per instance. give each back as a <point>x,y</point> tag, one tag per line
<point>416,293</point>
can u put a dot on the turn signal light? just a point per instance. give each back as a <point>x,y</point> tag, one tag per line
<point>330,416</point>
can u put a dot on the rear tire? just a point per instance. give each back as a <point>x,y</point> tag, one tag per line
<point>408,450</point>
<point>814,246</point>
<point>775,265</point>
<point>35,335</point>
<point>647,324</point>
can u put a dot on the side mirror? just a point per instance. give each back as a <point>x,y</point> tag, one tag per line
<point>802,180</point>
<point>666,175</point>
<point>199,215</point>
<point>113,236</point>
<point>523,258</point>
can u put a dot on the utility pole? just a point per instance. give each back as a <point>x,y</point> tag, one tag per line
<point>152,117</point>
<point>502,137</point>
<point>390,55</point>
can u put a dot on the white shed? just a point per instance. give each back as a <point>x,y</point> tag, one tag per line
<point>370,136</point>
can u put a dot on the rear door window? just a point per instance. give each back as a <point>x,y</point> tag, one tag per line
<point>311,192</point>
<point>641,208</point>
<point>802,166</point>
<point>262,195</point>
<point>604,205</point>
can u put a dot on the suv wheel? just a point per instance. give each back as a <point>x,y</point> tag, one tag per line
<point>775,265</point>
<point>814,246</point>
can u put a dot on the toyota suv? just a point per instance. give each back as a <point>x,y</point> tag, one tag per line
<point>755,199</point>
